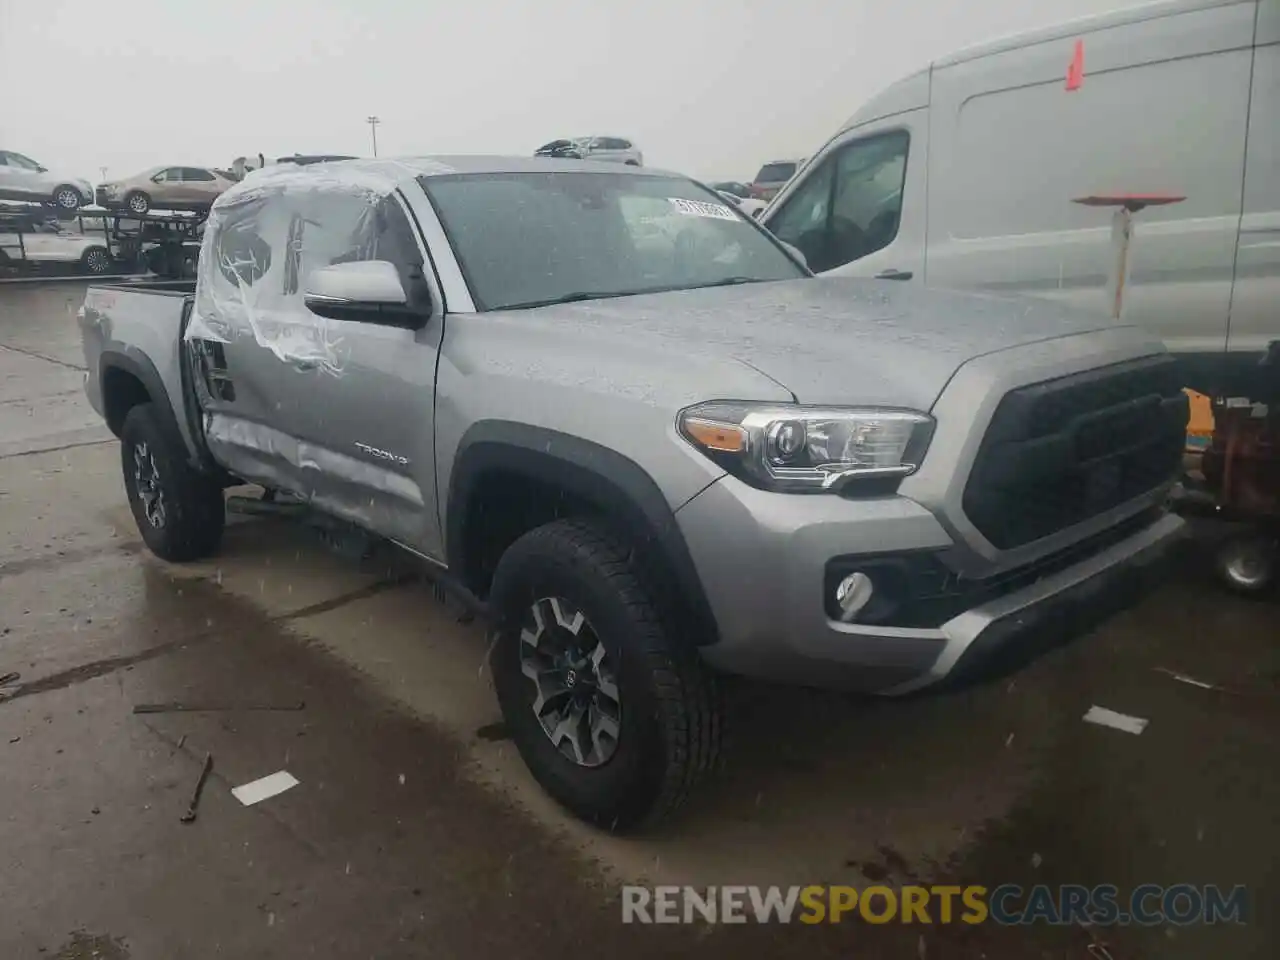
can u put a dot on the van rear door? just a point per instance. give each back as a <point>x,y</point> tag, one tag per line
<point>1161,108</point>
<point>1255,302</point>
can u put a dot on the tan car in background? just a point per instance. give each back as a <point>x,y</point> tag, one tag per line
<point>165,188</point>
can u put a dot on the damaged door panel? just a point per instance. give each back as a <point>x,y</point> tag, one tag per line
<point>336,411</point>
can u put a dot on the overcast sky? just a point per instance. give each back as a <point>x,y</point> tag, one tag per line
<point>709,87</point>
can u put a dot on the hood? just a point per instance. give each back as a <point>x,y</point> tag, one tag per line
<point>829,340</point>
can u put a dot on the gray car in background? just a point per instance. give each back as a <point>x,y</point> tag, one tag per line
<point>166,188</point>
<point>631,427</point>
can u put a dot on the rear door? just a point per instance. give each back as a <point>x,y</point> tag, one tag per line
<point>199,185</point>
<point>1255,301</point>
<point>859,209</point>
<point>1160,106</point>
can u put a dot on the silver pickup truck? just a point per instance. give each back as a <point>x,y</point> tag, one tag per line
<point>633,428</point>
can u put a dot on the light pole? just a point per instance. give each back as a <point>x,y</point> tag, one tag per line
<point>373,130</point>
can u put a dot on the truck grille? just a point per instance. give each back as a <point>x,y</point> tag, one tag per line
<point>1060,452</point>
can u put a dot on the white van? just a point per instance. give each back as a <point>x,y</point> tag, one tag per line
<point>963,174</point>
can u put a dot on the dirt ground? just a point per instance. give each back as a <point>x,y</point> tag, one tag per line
<point>415,831</point>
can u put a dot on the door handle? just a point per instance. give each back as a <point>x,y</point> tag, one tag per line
<point>892,274</point>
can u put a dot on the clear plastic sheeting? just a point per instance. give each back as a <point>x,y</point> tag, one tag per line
<point>266,234</point>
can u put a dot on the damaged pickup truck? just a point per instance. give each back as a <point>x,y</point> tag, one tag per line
<point>631,426</point>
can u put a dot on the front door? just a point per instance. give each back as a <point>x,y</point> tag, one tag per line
<point>20,178</point>
<point>859,210</point>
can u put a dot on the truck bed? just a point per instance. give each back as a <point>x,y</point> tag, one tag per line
<point>135,330</point>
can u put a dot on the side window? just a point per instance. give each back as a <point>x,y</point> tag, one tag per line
<point>850,206</point>
<point>165,176</point>
<point>4,159</point>
<point>22,163</point>
<point>802,220</point>
<point>192,174</point>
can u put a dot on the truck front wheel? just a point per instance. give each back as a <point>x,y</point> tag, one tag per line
<point>615,718</point>
<point>179,511</point>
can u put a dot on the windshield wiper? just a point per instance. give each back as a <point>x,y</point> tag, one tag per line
<point>576,297</point>
<point>731,282</point>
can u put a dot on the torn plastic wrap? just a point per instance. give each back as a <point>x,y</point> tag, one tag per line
<point>266,234</point>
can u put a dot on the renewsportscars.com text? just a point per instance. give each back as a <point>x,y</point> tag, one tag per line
<point>1009,904</point>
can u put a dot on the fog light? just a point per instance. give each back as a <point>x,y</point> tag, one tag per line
<point>852,594</point>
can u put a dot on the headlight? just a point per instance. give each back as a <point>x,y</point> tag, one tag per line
<point>798,449</point>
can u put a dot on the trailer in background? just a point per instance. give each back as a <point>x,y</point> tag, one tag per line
<point>98,242</point>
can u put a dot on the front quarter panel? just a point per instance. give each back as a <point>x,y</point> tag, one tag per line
<point>509,367</point>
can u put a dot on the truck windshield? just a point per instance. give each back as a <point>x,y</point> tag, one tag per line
<point>531,239</point>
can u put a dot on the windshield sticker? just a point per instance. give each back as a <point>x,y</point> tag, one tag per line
<point>699,208</point>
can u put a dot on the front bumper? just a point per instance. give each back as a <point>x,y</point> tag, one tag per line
<point>762,559</point>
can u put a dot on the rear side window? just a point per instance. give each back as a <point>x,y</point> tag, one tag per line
<point>776,173</point>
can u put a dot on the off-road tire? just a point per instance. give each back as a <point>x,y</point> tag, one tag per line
<point>670,728</point>
<point>194,510</point>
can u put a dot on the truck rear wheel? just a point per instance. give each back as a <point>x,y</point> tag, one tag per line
<point>179,511</point>
<point>615,718</point>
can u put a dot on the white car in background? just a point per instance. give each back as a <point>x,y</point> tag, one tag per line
<point>748,205</point>
<point>21,178</point>
<point>46,244</point>
<point>611,149</point>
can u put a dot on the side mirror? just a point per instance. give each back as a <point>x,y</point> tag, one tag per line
<point>366,291</point>
<point>756,212</point>
<point>795,252</point>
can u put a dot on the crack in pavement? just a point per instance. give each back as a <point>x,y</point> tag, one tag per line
<point>333,603</point>
<point>67,446</point>
<point>34,402</point>
<point>52,560</point>
<point>101,668</point>
<point>40,356</point>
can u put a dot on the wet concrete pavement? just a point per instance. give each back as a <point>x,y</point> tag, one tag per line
<point>415,831</point>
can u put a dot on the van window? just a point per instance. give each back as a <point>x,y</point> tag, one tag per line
<point>850,205</point>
